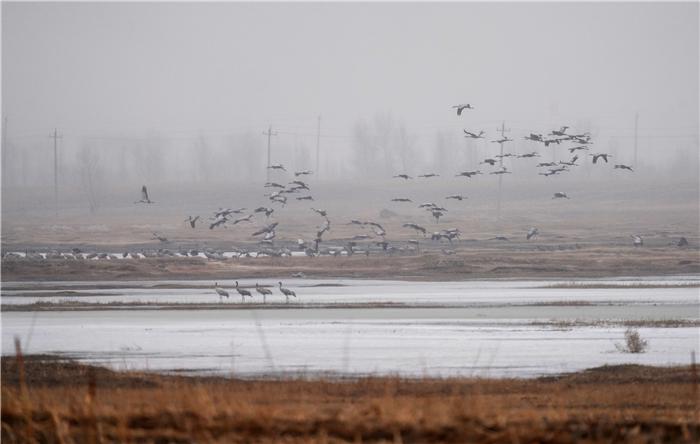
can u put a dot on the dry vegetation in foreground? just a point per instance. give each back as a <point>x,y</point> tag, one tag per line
<point>61,401</point>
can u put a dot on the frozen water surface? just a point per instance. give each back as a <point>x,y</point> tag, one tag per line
<point>487,328</point>
<point>343,291</point>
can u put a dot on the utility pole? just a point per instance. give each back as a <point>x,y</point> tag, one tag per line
<point>55,138</point>
<point>318,146</point>
<point>636,122</point>
<point>4,146</point>
<point>503,130</point>
<point>269,134</point>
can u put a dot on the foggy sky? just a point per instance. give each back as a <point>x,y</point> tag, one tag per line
<point>200,70</point>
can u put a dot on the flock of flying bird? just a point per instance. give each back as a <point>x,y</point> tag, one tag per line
<point>281,194</point>
<point>556,137</point>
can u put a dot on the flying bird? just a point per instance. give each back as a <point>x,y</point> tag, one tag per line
<point>429,175</point>
<point>456,197</point>
<point>415,227</point>
<point>502,140</point>
<point>160,237</point>
<point>279,199</point>
<point>217,222</point>
<point>462,107</point>
<point>491,162</point>
<point>277,166</point>
<point>532,232</point>
<point>560,132</point>
<point>402,176</point>
<point>378,230</point>
<point>266,229</point>
<point>548,141</point>
<point>401,199</point>
<point>503,170</point>
<point>321,212</point>
<point>527,155</point>
<point>560,195</point>
<point>572,162</point>
<point>144,196</point>
<point>192,220</point>
<point>300,184</point>
<point>623,167</point>
<point>302,173</point>
<point>603,156</point>
<point>474,136</point>
<point>534,137</point>
<point>468,174</point>
<point>267,211</point>
<point>243,219</point>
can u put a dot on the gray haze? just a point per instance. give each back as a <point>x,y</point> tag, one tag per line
<point>181,92</point>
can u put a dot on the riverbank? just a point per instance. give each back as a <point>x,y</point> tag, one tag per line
<point>464,263</point>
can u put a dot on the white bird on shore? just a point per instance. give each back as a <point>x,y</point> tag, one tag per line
<point>637,240</point>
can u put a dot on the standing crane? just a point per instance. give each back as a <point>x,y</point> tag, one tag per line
<point>286,292</point>
<point>243,292</point>
<point>263,291</point>
<point>220,291</point>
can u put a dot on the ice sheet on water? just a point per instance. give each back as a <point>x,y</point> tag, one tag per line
<point>320,341</point>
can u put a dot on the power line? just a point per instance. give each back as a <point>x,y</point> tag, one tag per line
<point>636,126</point>
<point>269,135</point>
<point>503,130</point>
<point>4,146</point>
<point>318,146</point>
<point>55,138</point>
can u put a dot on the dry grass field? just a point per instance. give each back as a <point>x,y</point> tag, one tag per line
<point>65,402</point>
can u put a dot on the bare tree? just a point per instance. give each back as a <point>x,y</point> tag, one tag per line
<point>404,144</point>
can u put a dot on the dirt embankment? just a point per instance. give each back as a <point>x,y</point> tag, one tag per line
<point>463,264</point>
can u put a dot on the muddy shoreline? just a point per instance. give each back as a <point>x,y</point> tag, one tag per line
<point>465,264</point>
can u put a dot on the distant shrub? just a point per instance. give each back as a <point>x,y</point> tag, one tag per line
<point>633,342</point>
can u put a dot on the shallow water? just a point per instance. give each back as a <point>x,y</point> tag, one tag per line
<point>345,291</point>
<point>491,328</point>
